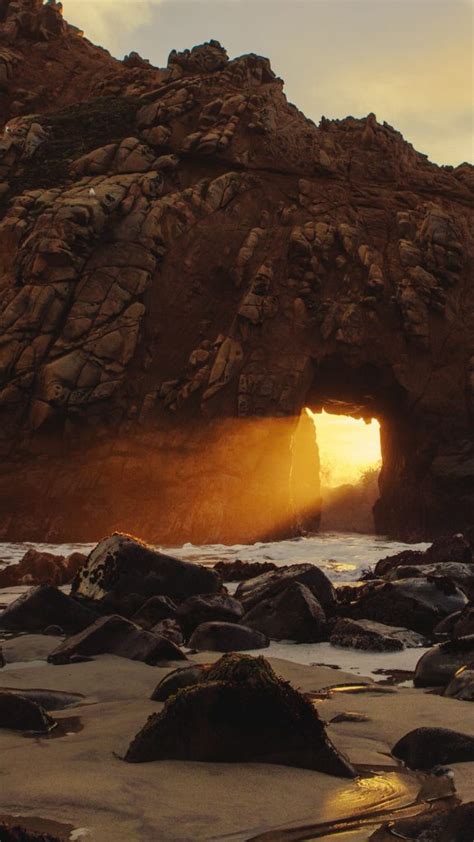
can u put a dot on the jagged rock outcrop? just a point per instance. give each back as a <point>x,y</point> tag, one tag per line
<point>186,261</point>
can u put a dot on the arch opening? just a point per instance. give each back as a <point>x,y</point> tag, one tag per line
<point>350,461</point>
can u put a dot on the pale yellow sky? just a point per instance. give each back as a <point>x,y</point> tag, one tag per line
<point>409,61</point>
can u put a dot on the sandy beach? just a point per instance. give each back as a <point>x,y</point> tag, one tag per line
<point>76,781</point>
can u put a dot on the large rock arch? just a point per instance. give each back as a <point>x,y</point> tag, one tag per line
<point>186,261</point>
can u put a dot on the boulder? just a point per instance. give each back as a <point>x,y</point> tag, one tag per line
<point>2,658</point>
<point>271,584</point>
<point>376,637</point>
<point>239,571</point>
<point>461,685</point>
<point>295,614</point>
<point>115,635</point>
<point>462,574</point>
<point>41,568</point>
<point>437,667</point>
<point>240,712</point>
<point>452,548</point>
<point>464,624</point>
<point>19,713</point>
<point>154,610</point>
<point>226,637</point>
<point>206,608</point>
<point>444,825</point>
<point>14,833</point>
<point>125,604</point>
<point>170,629</point>
<point>176,680</point>
<point>416,604</point>
<point>424,748</point>
<point>124,564</point>
<point>45,606</point>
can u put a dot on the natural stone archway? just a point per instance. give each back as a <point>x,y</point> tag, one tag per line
<point>186,262</point>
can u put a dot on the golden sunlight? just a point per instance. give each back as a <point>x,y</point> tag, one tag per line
<point>347,447</point>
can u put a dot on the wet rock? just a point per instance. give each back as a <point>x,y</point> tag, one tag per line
<point>269,585</point>
<point>115,635</point>
<point>464,624</point>
<point>14,833</point>
<point>154,610</point>
<point>54,631</point>
<point>125,604</point>
<point>241,712</point>
<point>295,614</point>
<point>445,628</point>
<point>22,714</point>
<point>45,606</point>
<point>462,574</point>
<point>461,685</point>
<point>424,748</point>
<point>372,636</point>
<point>348,716</point>
<point>170,629</point>
<point>453,548</point>
<point>40,568</point>
<point>226,637</point>
<point>446,825</point>
<point>176,680</point>
<point>124,564</point>
<point>207,608</point>
<point>2,659</point>
<point>416,604</point>
<point>437,667</point>
<point>239,571</point>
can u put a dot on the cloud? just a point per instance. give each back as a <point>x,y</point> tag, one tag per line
<point>110,22</point>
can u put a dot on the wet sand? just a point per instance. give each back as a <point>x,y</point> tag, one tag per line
<point>78,780</point>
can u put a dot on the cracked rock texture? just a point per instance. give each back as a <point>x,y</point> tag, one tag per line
<point>186,261</point>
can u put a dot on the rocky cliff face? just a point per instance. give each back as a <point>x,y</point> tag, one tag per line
<point>186,261</point>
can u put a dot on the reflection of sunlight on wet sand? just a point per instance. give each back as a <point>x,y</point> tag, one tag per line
<point>356,806</point>
<point>347,447</point>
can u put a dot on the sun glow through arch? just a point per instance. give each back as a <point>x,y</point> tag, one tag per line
<point>348,447</point>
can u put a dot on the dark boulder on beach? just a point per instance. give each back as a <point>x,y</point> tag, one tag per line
<point>240,712</point>
<point>42,568</point>
<point>176,680</point>
<point>154,610</point>
<point>271,584</point>
<point>372,636</point>
<point>226,637</point>
<point>240,571</point>
<point>14,833</point>
<point>19,713</point>
<point>170,629</point>
<point>464,625</point>
<point>45,606</point>
<point>452,548</point>
<point>437,667</point>
<point>417,604</point>
<point>207,608</point>
<point>424,748</point>
<point>461,685</point>
<point>295,614</point>
<point>123,564</point>
<point>115,635</point>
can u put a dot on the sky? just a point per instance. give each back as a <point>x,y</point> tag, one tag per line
<point>409,61</point>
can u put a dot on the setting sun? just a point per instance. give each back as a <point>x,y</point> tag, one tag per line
<point>347,447</point>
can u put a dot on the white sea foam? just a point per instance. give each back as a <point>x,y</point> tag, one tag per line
<point>342,556</point>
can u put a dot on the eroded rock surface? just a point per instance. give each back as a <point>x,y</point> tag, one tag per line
<point>186,262</point>
<point>239,712</point>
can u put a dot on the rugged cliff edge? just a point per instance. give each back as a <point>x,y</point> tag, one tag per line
<point>185,262</point>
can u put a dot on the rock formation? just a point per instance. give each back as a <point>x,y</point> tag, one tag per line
<point>186,261</point>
